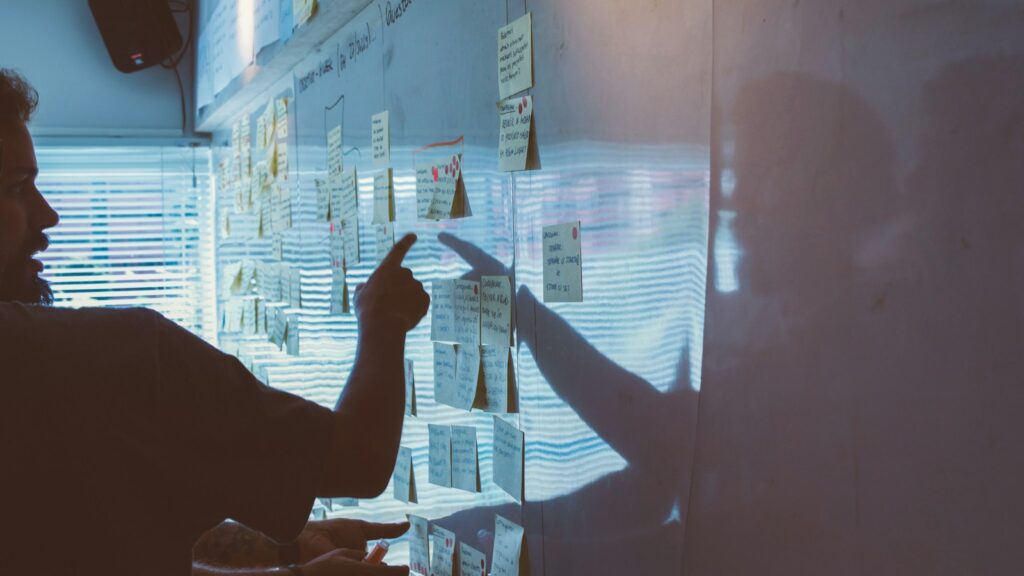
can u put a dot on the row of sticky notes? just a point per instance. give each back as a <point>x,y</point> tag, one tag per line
<point>472,313</point>
<point>433,550</point>
<point>454,461</point>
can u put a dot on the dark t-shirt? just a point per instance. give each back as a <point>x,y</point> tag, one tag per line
<point>125,437</point>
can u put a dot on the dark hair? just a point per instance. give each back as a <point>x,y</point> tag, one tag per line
<point>18,99</point>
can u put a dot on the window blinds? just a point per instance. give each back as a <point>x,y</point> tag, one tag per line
<point>136,229</point>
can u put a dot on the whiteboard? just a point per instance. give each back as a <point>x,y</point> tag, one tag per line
<point>607,387</point>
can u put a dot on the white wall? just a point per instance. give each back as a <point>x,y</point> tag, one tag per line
<point>56,45</point>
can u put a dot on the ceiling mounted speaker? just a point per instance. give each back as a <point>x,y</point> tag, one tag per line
<point>138,33</point>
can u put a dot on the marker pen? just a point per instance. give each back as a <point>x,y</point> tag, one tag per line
<point>376,556</point>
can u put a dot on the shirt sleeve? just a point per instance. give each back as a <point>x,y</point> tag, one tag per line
<point>249,452</point>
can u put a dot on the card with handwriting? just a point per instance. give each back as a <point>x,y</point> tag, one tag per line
<point>323,200</point>
<point>384,234</point>
<point>446,176</point>
<point>404,479</point>
<point>380,138</point>
<point>472,562</point>
<point>442,313</point>
<point>383,197</point>
<point>281,161</point>
<point>440,437</point>
<point>281,118</point>
<point>508,547</point>
<point>339,291</point>
<point>517,146</point>
<point>466,311</point>
<point>335,157</point>
<point>515,56</point>
<point>345,212</point>
<point>508,458</point>
<point>410,388</point>
<point>424,189</point>
<point>295,287</point>
<point>465,464</point>
<point>498,380</point>
<point>419,532</point>
<point>563,263</point>
<point>495,311</point>
<point>467,377</point>
<point>445,372</point>
<point>442,556</point>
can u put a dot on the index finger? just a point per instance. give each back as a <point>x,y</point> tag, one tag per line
<point>398,252</point>
<point>373,530</point>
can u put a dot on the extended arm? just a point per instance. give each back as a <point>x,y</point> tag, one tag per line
<point>370,410</point>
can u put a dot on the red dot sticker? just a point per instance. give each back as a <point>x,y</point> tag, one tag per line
<point>520,107</point>
<point>574,233</point>
<point>475,289</point>
<point>435,173</point>
<point>446,170</point>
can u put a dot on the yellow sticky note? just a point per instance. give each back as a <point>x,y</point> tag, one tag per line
<point>440,468</point>
<point>303,11</point>
<point>335,159</point>
<point>563,263</point>
<point>508,547</point>
<point>515,56</point>
<point>380,138</point>
<point>281,163</point>
<point>508,458</point>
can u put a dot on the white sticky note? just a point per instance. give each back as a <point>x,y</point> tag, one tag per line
<point>563,263</point>
<point>508,458</point>
<point>472,562</point>
<point>281,118</point>
<point>339,291</point>
<point>467,377</point>
<point>380,139</point>
<point>440,438</point>
<point>514,134</point>
<point>442,556</point>
<point>515,56</point>
<point>465,463</point>
<point>345,211</point>
<point>403,478</point>
<point>466,311</point>
<point>445,372</point>
<point>383,197</point>
<point>281,161</point>
<point>424,189</point>
<point>384,236</point>
<point>335,158</point>
<point>499,379</point>
<point>323,200</point>
<point>447,178</point>
<point>295,287</point>
<point>336,244</point>
<point>508,547</point>
<point>410,388</point>
<point>495,311</point>
<point>442,313</point>
<point>419,532</point>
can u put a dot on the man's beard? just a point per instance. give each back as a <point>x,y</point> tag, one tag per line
<point>20,283</point>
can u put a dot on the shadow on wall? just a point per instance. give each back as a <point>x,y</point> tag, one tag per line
<point>861,389</point>
<point>627,522</point>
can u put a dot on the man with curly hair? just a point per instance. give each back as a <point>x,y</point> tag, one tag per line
<point>125,439</point>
